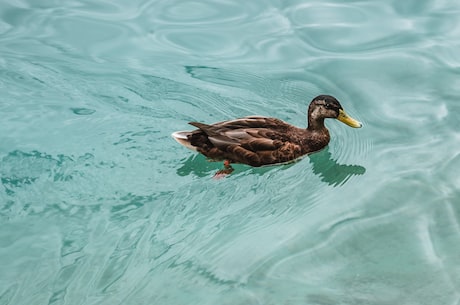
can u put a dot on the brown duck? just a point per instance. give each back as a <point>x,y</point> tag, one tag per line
<point>258,141</point>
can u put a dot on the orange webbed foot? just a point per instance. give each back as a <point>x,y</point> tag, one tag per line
<point>222,173</point>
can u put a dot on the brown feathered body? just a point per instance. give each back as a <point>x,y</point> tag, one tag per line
<point>257,140</point>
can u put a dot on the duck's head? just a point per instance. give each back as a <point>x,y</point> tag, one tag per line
<point>326,106</point>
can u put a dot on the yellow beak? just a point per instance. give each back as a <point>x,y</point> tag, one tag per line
<point>344,118</point>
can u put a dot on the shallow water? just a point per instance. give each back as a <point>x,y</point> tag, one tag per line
<point>98,205</point>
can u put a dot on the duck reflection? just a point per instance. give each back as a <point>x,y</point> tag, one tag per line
<point>323,165</point>
<point>330,171</point>
<point>198,165</point>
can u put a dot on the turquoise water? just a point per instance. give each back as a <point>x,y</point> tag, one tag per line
<point>99,205</point>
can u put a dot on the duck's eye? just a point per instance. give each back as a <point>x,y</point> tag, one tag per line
<point>328,106</point>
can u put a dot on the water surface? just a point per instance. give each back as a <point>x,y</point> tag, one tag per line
<point>98,205</point>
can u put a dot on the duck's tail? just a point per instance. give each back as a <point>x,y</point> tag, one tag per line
<point>182,138</point>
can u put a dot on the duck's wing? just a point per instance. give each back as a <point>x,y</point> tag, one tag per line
<point>256,132</point>
<point>224,133</point>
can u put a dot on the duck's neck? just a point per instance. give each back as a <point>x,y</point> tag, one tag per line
<point>316,124</point>
<point>316,135</point>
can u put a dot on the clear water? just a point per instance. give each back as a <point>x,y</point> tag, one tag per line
<point>98,205</point>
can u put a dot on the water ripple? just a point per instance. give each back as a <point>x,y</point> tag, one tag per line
<point>8,294</point>
<point>199,12</point>
<point>330,26</point>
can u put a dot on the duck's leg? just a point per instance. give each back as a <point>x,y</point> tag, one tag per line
<point>228,169</point>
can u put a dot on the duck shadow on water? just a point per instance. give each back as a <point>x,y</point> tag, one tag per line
<point>330,171</point>
<point>323,165</point>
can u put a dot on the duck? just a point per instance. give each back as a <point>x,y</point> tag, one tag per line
<point>260,141</point>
